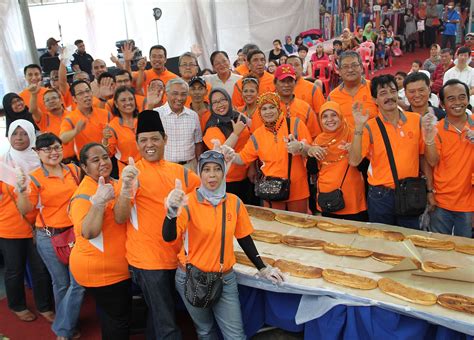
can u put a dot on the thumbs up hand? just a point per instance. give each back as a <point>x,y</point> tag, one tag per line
<point>129,179</point>
<point>22,180</point>
<point>104,193</point>
<point>175,200</point>
<point>294,147</point>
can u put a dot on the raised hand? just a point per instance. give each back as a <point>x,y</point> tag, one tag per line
<point>104,193</point>
<point>154,95</point>
<point>428,127</point>
<point>127,51</point>
<point>114,59</point>
<point>141,64</point>
<point>359,118</point>
<point>317,152</point>
<point>129,178</point>
<point>33,89</point>
<point>197,50</point>
<point>22,180</point>
<point>175,200</point>
<point>238,127</point>
<point>293,145</point>
<point>106,88</point>
<point>81,125</point>
<point>107,132</point>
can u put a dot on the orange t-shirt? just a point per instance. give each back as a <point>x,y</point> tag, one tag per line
<point>101,261</point>
<point>345,100</point>
<point>52,194</point>
<point>150,74</point>
<point>52,123</point>
<point>203,222</point>
<point>452,176</point>
<point>26,96</point>
<point>242,69</point>
<point>93,132</point>
<point>272,151</point>
<point>236,172</point>
<point>265,85</point>
<point>12,224</point>
<point>123,144</point>
<point>310,93</point>
<point>203,118</point>
<point>255,119</point>
<point>146,248</point>
<point>407,145</point>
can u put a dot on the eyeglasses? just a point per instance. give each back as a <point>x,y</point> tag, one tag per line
<point>80,94</point>
<point>49,149</point>
<point>220,102</point>
<point>188,65</point>
<point>350,66</point>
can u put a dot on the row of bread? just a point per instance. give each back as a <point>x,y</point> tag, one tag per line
<point>388,286</point>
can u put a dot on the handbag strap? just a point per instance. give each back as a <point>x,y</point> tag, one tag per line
<point>388,148</point>
<point>344,178</point>
<point>290,156</point>
<point>223,236</point>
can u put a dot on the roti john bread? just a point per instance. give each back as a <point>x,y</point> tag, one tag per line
<point>349,280</point>
<point>387,258</point>
<point>241,258</point>
<point>464,248</point>
<point>433,267</point>
<point>266,236</point>
<point>296,221</point>
<point>260,213</point>
<point>302,242</point>
<point>384,234</point>
<point>431,243</point>
<point>400,291</point>
<point>342,250</point>
<point>298,269</point>
<point>337,228</point>
<point>458,302</point>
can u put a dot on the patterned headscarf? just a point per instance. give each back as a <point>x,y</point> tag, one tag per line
<point>274,99</point>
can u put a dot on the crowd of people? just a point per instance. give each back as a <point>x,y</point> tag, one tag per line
<point>143,176</point>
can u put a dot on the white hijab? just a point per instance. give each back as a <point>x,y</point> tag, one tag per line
<point>27,159</point>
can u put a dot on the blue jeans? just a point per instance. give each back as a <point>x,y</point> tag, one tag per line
<point>160,296</point>
<point>67,292</point>
<point>381,208</point>
<point>451,222</point>
<point>226,311</point>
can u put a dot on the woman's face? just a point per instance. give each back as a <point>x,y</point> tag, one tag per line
<point>269,113</point>
<point>283,59</point>
<point>271,67</point>
<point>212,176</point>
<point>125,103</point>
<point>319,49</point>
<point>345,34</point>
<point>220,103</point>
<point>98,163</point>
<point>51,155</point>
<point>19,139</point>
<point>18,105</point>
<point>250,92</point>
<point>330,120</point>
<point>434,52</point>
<point>299,41</point>
<point>360,31</point>
<point>368,28</point>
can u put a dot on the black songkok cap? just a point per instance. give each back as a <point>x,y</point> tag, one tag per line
<point>149,121</point>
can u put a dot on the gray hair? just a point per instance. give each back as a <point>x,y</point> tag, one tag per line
<point>176,81</point>
<point>188,54</point>
<point>350,54</point>
<point>249,47</point>
<point>77,74</point>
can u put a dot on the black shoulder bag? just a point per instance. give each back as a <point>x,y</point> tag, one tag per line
<point>270,188</point>
<point>333,201</point>
<point>410,192</point>
<point>204,289</point>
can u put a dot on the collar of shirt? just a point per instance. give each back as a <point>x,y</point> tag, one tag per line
<point>167,110</point>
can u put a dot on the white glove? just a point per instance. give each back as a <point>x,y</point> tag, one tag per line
<point>105,193</point>
<point>176,200</point>
<point>229,154</point>
<point>129,179</point>
<point>22,180</point>
<point>271,273</point>
<point>294,146</point>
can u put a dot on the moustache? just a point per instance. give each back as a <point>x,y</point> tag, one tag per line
<point>390,100</point>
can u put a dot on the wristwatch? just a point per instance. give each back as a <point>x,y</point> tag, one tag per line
<point>431,191</point>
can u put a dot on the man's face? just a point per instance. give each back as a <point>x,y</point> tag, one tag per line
<point>257,64</point>
<point>197,92</point>
<point>33,76</point>
<point>445,58</point>
<point>188,67</point>
<point>417,93</point>
<point>83,96</point>
<point>351,69</point>
<point>276,45</point>
<point>123,80</point>
<point>285,87</point>
<point>98,67</point>
<point>157,59</point>
<point>54,48</point>
<point>463,58</point>
<point>151,145</point>
<point>337,47</point>
<point>455,100</point>
<point>470,41</point>
<point>296,63</point>
<point>387,97</point>
<point>221,64</point>
<point>82,76</point>
<point>52,101</point>
<point>81,48</point>
<point>53,79</point>
<point>302,54</point>
<point>415,67</point>
<point>177,96</point>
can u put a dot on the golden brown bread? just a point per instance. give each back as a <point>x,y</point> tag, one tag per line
<point>458,302</point>
<point>433,267</point>
<point>400,291</point>
<point>337,228</point>
<point>429,242</point>
<point>465,249</point>
<point>302,242</point>
<point>296,221</point>
<point>260,213</point>
<point>348,280</point>
<point>266,236</point>
<point>387,258</point>
<point>342,250</point>
<point>241,258</point>
<point>298,269</point>
<point>384,234</point>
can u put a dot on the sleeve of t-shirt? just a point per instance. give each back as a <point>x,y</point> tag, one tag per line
<point>249,153</point>
<point>213,133</point>
<point>78,211</point>
<point>66,125</point>
<point>74,60</point>
<point>243,225</point>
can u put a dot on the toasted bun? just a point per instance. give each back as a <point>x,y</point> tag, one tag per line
<point>337,228</point>
<point>387,258</point>
<point>457,302</point>
<point>384,234</point>
<point>348,280</point>
<point>464,248</point>
<point>298,270</point>
<point>266,236</point>
<point>302,242</point>
<point>260,213</point>
<point>429,242</point>
<point>296,221</point>
<point>241,258</point>
<point>341,250</point>
<point>433,267</point>
<point>400,291</point>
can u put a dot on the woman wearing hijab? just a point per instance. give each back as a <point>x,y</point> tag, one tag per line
<point>290,48</point>
<point>329,148</point>
<point>16,232</point>
<point>202,222</point>
<point>15,108</point>
<point>348,40</point>
<point>369,34</point>
<point>230,127</point>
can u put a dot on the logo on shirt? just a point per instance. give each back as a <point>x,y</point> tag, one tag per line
<point>410,134</point>
<point>229,217</point>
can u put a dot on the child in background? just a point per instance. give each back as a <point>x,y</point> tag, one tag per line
<point>380,50</point>
<point>303,54</point>
<point>402,99</point>
<point>337,50</point>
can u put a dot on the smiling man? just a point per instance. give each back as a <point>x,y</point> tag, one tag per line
<point>33,76</point>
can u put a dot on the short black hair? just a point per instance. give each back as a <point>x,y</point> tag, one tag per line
<point>78,41</point>
<point>215,53</point>
<point>295,57</point>
<point>450,83</point>
<point>416,76</point>
<point>303,48</point>
<point>464,49</point>
<point>276,40</point>
<point>75,83</point>
<point>401,73</point>
<point>27,67</point>
<point>447,50</point>
<point>121,72</point>
<point>104,75</point>
<point>254,52</point>
<point>417,62</point>
<point>381,81</point>
<point>336,42</point>
<point>159,47</point>
<point>47,139</point>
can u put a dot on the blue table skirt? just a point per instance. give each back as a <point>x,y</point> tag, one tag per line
<point>260,307</point>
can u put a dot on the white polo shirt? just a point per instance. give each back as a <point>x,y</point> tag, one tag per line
<point>228,85</point>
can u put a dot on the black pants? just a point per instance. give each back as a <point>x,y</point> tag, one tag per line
<point>115,304</point>
<point>430,35</point>
<point>421,39</point>
<point>244,190</point>
<point>363,216</point>
<point>448,39</point>
<point>15,253</point>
